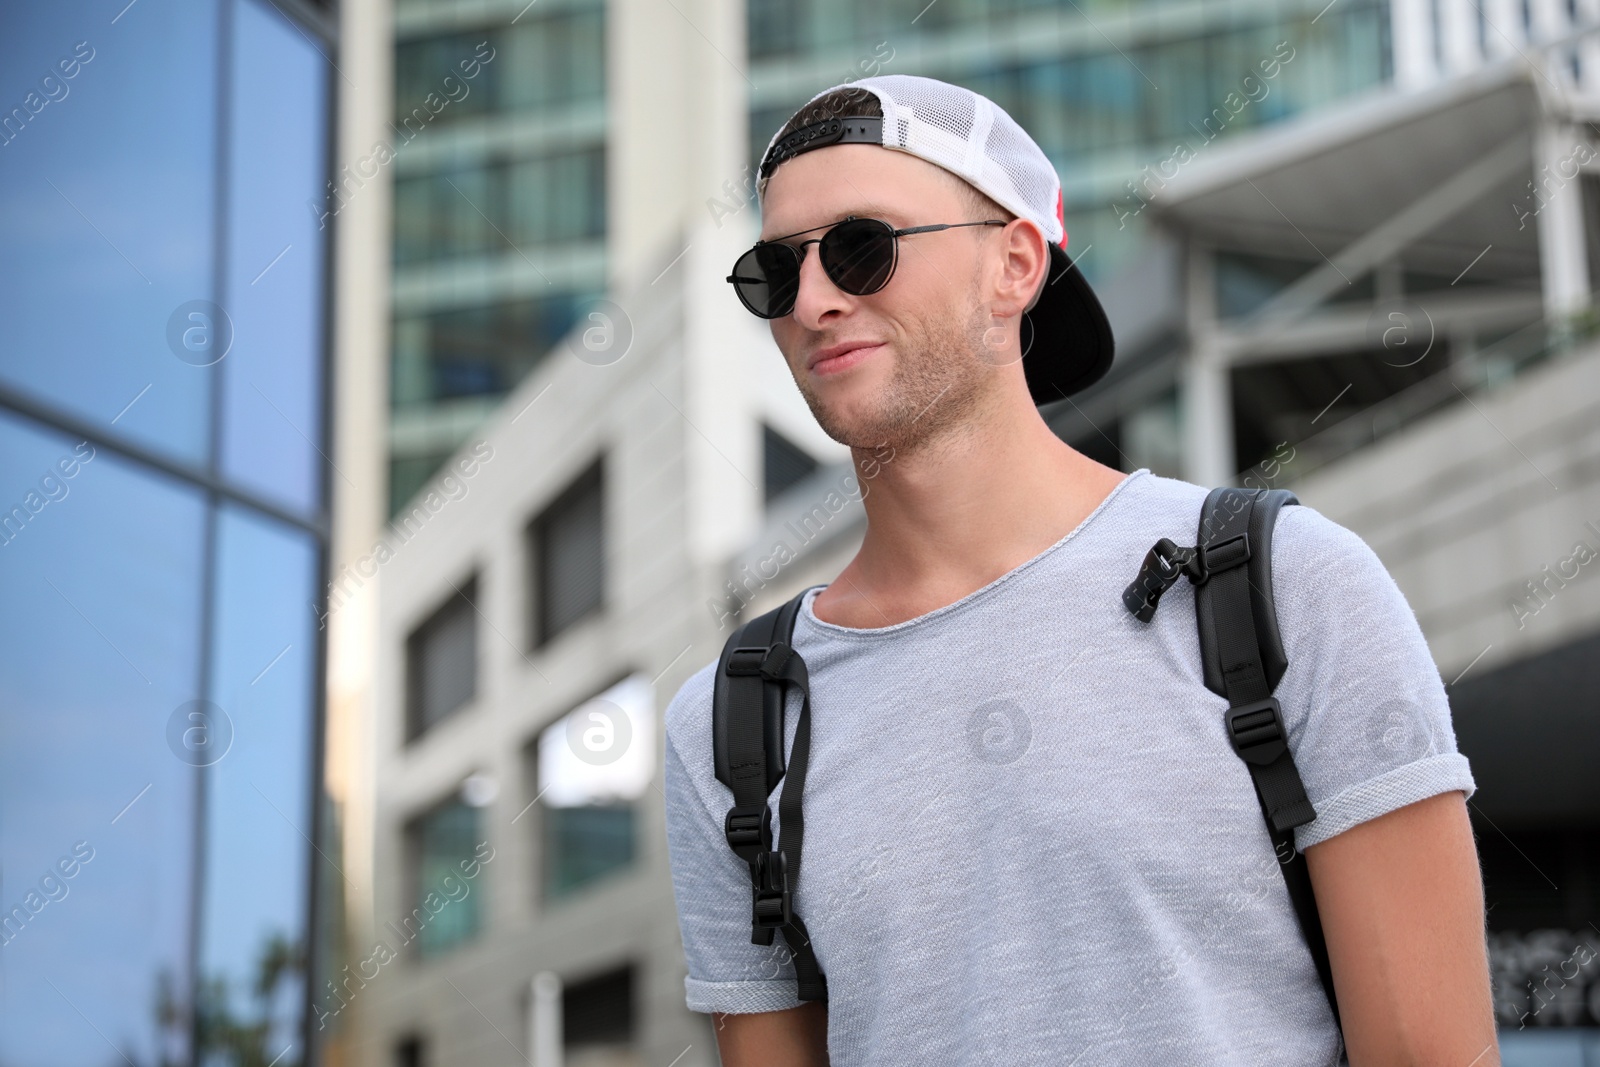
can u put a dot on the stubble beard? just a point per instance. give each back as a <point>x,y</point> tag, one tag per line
<point>938,378</point>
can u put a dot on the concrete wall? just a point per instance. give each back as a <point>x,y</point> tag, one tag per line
<point>567,413</point>
<point>1469,506</point>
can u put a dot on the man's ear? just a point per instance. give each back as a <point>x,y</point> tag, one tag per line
<point>1045,280</point>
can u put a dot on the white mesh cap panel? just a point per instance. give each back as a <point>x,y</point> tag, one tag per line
<point>970,136</point>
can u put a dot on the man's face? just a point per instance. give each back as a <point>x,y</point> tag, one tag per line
<point>928,365</point>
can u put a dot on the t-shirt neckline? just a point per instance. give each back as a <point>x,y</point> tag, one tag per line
<point>835,630</point>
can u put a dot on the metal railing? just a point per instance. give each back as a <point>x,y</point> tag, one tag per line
<point>1482,370</point>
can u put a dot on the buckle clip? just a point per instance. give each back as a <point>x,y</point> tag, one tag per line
<point>1256,731</point>
<point>744,827</point>
<point>1163,565</point>
<point>770,904</point>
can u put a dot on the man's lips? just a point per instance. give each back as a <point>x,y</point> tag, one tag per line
<point>838,357</point>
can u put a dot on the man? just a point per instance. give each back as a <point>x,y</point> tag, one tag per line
<point>1027,839</point>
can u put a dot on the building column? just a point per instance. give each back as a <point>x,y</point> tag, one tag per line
<point>1505,34</point>
<point>1411,30</point>
<point>544,1020</point>
<point>1206,405</point>
<point>1563,258</point>
<point>359,359</point>
<point>1588,48</point>
<point>1458,22</point>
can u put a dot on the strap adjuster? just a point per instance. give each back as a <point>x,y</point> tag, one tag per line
<point>767,662</point>
<point>1221,556</point>
<point>1256,731</point>
<point>744,827</point>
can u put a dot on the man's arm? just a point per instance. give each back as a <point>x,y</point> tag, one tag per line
<point>797,1037</point>
<point>1401,900</point>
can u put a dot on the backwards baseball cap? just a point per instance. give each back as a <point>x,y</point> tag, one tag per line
<point>1066,338</point>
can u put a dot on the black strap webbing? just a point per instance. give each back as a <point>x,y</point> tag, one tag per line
<point>1238,655</point>
<point>757,668</point>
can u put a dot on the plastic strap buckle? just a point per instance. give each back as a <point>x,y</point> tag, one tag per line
<point>770,889</point>
<point>1163,565</point>
<point>767,662</point>
<point>745,827</point>
<point>1222,556</point>
<point>1256,731</point>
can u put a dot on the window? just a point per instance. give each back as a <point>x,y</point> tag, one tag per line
<point>442,662</point>
<point>591,765</point>
<point>446,905</point>
<point>1281,404</point>
<point>420,70</point>
<point>478,351</point>
<point>783,463</point>
<point>554,60</point>
<point>598,1013</point>
<point>410,1051</point>
<point>538,63</point>
<point>566,546</point>
<point>486,351</point>
<point>559,196</point>
<point>407,476</point>
<point>584,844</point>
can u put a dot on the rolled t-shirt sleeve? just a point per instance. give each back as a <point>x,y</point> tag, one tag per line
<point>710,884</point>
<point>1365,707</point>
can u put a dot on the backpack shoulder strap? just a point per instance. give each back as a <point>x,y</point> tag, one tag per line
<point>757,668</point>
<point>1241,652</point>
<point>1226,514</point>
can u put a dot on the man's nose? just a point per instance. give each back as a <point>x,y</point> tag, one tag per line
<point>816,296</point>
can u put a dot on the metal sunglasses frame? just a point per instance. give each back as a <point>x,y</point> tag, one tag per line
<point>799,252</point>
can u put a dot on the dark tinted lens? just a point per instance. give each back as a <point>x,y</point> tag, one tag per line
<point>859,255</point>
<point>767,278</point>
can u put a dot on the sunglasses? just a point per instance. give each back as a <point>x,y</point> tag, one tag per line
<point>859,256</point>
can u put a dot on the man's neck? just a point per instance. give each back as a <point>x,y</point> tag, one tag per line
<point>958,512</point>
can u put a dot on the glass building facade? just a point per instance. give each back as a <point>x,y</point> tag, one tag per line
<point>500,187</point>
<point>499,210</point>
<point>1108,88</point>
<point>163,499</point>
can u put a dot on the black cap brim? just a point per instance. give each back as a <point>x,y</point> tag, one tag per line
<point>1066,339</point>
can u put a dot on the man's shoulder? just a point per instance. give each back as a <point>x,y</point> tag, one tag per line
<point>1157,493</point>
<point>1312,527</point>
<point>1301,529</point>
<point>1308,548</point>
<point>688,714</point>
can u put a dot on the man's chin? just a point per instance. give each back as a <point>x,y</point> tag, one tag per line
<point>853,428</point>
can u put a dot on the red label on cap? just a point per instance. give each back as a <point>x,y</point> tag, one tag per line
<point>1061,218</point>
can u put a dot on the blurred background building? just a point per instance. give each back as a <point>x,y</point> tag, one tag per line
<point>1336,259</point>
<point>386,449</point>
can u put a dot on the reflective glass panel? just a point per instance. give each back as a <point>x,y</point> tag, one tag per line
<point>107,201</point>
<point>259,823</point>
<point>272,408</point>
<point>99,663</point>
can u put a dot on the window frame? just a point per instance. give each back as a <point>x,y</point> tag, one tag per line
<point>539,831</point>
<point>535,541</point>
<point>411,831</point>
<point>467,591</point>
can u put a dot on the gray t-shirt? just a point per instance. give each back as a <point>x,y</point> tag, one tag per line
<point>1028,840</point>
